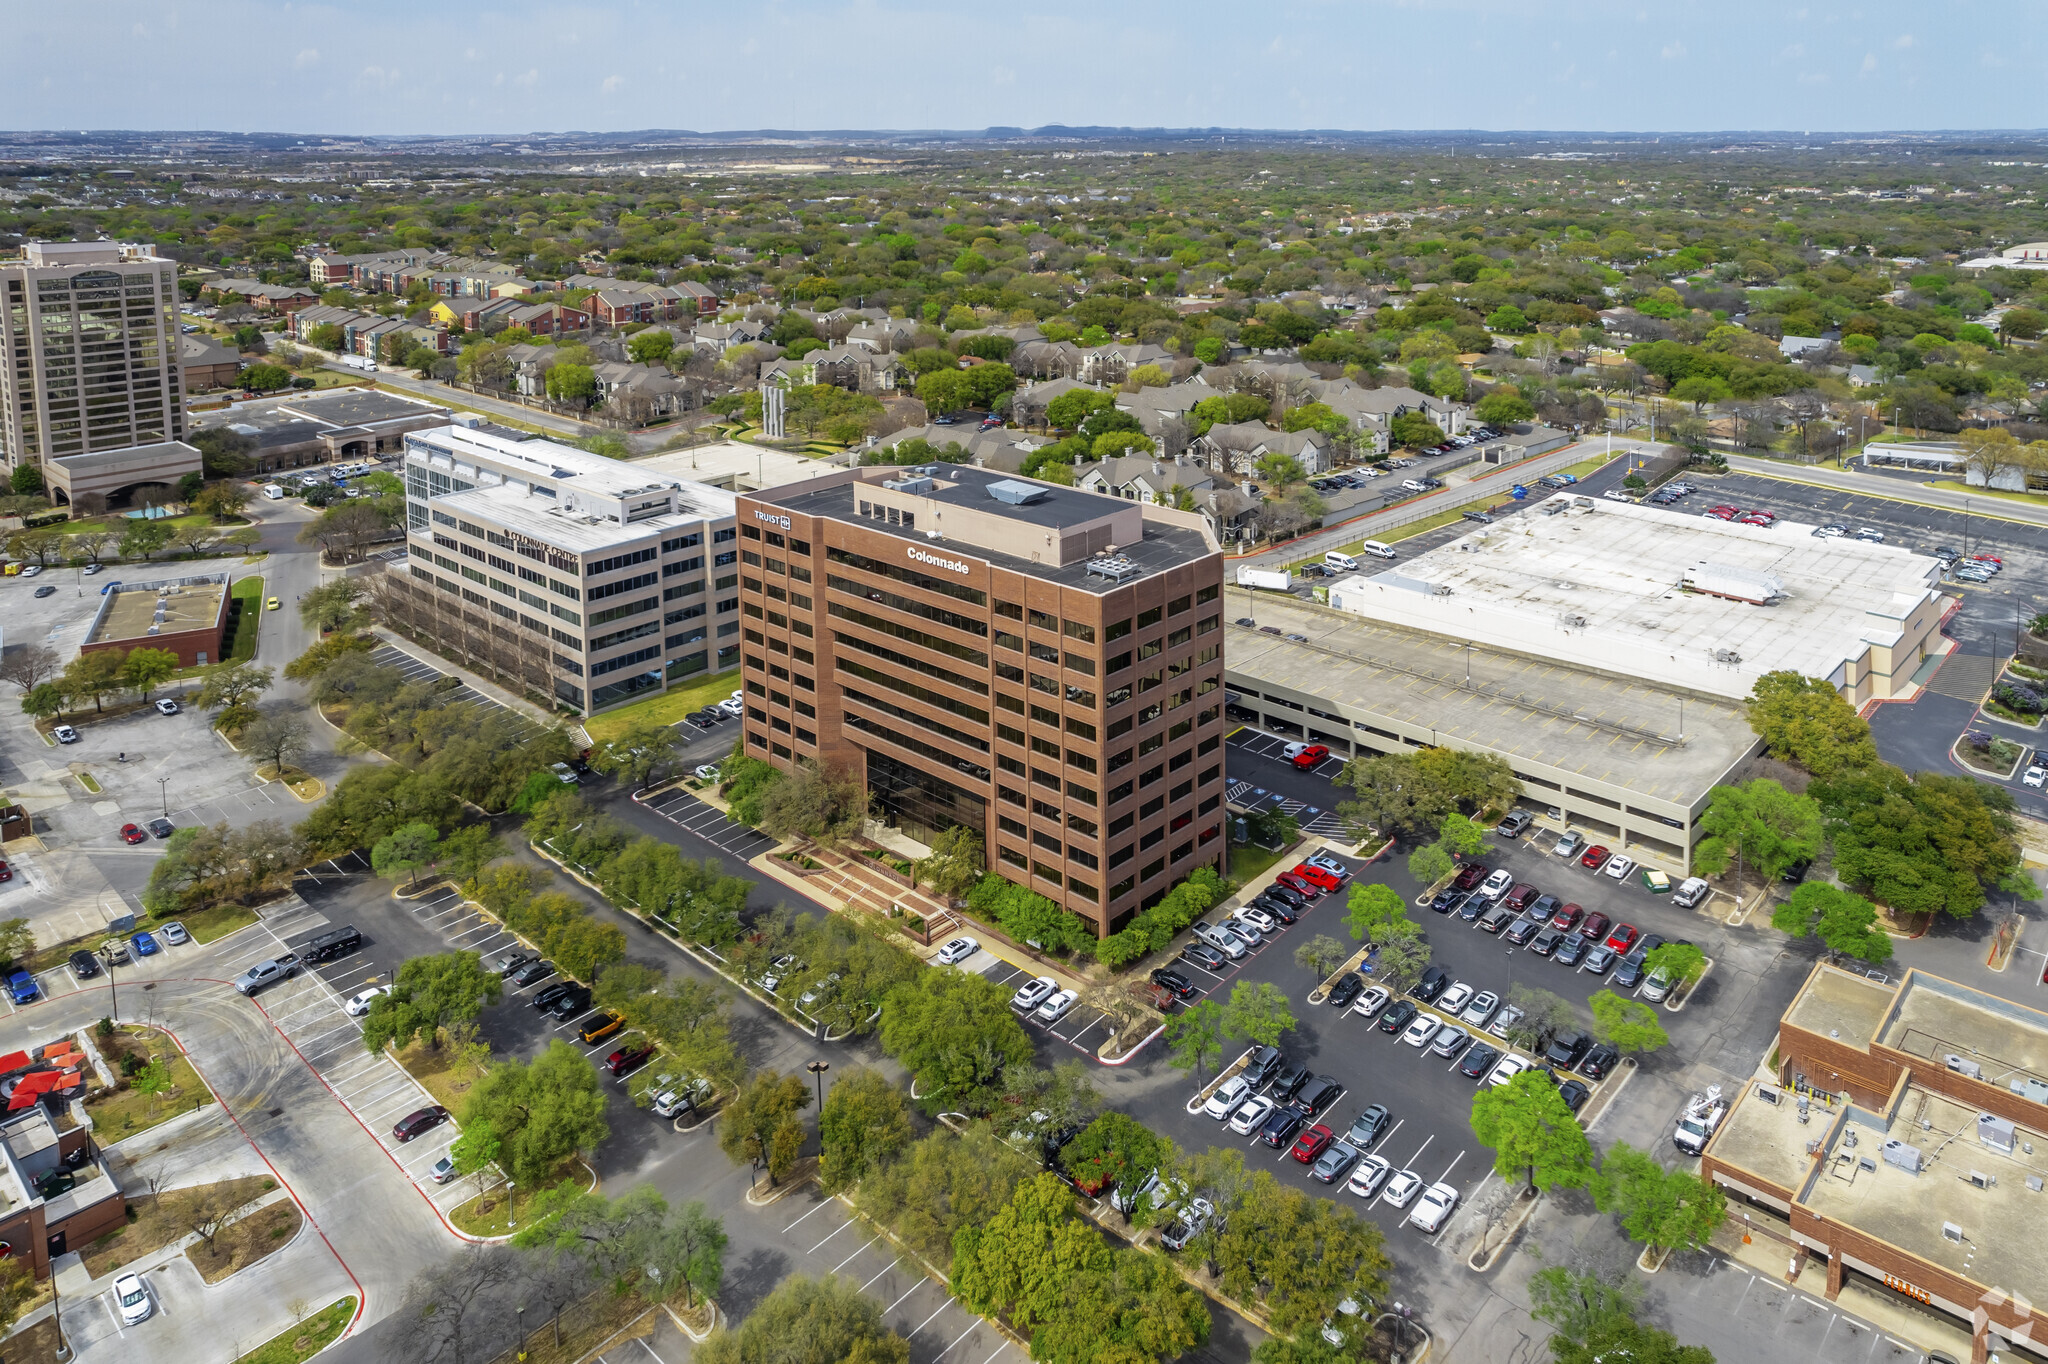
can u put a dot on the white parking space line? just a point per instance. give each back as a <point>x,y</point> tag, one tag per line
<point>834,1232</point>
<point>807,1216</point>
<point>921,1282</point>
<point>956,1340</point>
<point>849,1259</point>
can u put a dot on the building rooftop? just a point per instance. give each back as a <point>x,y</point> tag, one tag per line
<point>1604,727</point>
<point>731,464</point>
<point>988,496</point>
<point>1767,1139</point>
<point>137,611</point>
<point>1602,586</point>
<point>1935,1020</point>
<point>546,464</point>
<point>544,519</point>
<point>1841,1005</point>
<point>359,407</point>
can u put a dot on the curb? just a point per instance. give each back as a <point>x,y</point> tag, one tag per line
<point>1125,1059</point>
<point>1514,1229</point>
<point>684,1327</point>
<point>1194,1105</point>
<point>1672,1006</point>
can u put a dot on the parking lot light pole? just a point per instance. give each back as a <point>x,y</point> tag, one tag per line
<point>163,794</point>
<point>818,1069</point>
<point>113,998</point>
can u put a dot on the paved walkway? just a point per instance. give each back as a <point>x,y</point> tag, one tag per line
<point>1897,490</point>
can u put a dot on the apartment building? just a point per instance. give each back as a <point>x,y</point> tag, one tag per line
<point>576,578</point>
<point>89,335</point>
<point>1036,662</point>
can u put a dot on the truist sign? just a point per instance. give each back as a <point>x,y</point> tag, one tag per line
<point>781,521</point>
<point>950,565</point>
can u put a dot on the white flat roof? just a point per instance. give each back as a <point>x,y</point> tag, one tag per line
<point>751,467</point>
<point>1600,587</point>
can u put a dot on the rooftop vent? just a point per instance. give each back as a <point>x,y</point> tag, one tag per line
<point>1962,1066</point>
<point>919,484</point>
<point>1017,494</point>
<point>1907,1158</point>
<point>1571,620</point>
<point>1995,1133</point>
<point>2027,1087</point>
<point>1118,568</point>
<point>1729,656</point>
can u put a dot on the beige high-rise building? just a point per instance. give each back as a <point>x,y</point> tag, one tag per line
<point>89,332</point>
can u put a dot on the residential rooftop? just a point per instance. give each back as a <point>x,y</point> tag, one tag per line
<point>1601,726</point>
<point>1603,586</point>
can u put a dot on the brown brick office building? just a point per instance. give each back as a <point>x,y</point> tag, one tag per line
<point>1037,662</point>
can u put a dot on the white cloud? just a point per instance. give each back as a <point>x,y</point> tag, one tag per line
<point>613,84</point>
<point>308,56</point>
<point>1674,51</point>
<point>1903,41</point>
<point>1813,78</point>
<point>1792,53</point>
<point>1869,63</point>
<point>528,78</point>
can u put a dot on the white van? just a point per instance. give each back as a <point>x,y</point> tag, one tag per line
<point>272,491</point>
<point>1339,562</point>
<point>1378,550</point>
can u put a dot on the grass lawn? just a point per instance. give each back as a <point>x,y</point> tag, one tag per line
<point>306,1339</point>
<point>691,694</point>
<point>498,1211</point>
<point>237,1246</point>
<point>1249,860</point>
<point>126,1113</point>
<point>118,524</point>
<point>249,592</point>
<point>1587,466</point>
<point>156,1222</point>
<point>328,378</point>
<point>440,1071</point>
<point>216,921</point>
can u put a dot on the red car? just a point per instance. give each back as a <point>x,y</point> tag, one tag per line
<point>1567,917</point>
<point>414,1124</point>
<point>1310,1144</point>
<point>1988,559</point>
<point>1759,518</point>
<point>1622,939</point>
<point>1310,756</point>
<point>1470,875</point>
<point>1595,858</point>
<point>131,834</point>
<point>1521,897</point>
<point>1725,513</point>
<point>1316,876</point>
<point>628,1058</point>
<point>6,872</point>
<point>1594,926</point>
<point>1298,885</point>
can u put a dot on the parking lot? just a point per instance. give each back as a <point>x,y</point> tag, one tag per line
<point>1254,785</point>
<point>415,669</point>
<point>708,823</point>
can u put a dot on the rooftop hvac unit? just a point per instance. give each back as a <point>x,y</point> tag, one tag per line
<point>2027,1087</point>
<point>1962,1066</point>
<point>1014,492</point>
<point>1728,656</point>
<point>1951,1232</point>
<point>2034,1183</point>
<point>1908,1158</point>
<point>1115,567</point>
<point>1734,583</point>
<point>908,485</point>
<point>1572,620</point>
<point>1995,1133</point>
<point>1982,1180</point>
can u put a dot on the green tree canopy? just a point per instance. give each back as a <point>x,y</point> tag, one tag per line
<point>761,1126</point>
<point>954,1032</point>
<point>405,849</point>
<point>864,1124</point>
<point>1760,824</point>
<point>1804,720</point>
<point>543,1111</point>
<point>1846,922</point>
<point>809,1321</point>
<point>1532,1133</point>
<point>1195,1035</point>
<point>1257,1013</point>
<point>428,994</point>
<point>1668,1209</point>
<point>1627,1023</point>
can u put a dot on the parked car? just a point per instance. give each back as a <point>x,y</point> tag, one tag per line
<point>1570,845</point>
<point>1346,989</point>
<point>1421,1030</point>
<point>1495,918</point>
<point>1318,877</point>
<point>1310,756</point>
<point>1515,825</point>
<point>166,706</point>
<point>1204,956</point>
<point>1521,897</point>
<point>1256,917</point>
<point>1505,1020</point>
<point>1252,1116</point>
<point>132,834</point>
<point>1622,937</point>
<point>1306,889</point>
<point>1470,875</point>
<point>1618,868</point>
<point>1318,1094</point>
<point>1369,1126</point>
<point>1034,992</point>
<point>133,1297</point>
<point>1056,1006</point>
<point>1227,1096</point>
<point>1574,1095</point>
<point>1370,1174</point>
<point>1480,1009</point>
<point>1399,1016</point>
<point>1265,1063</point>
<point>1433,983</point>
<point>1434,1207</point>
<point>22,987</point>
<point>1508,1069</point>
<point>1401,1188</point>
<point>1569,950</point>
<point>1497,884</point>
<point>1335,1162</point>
<point>162,828</point>
<point>570,1003</point>
<point>359,1003</point>
<point>1450,1040</point>
<point>1451,1001</point>
<point>145,945</point>
<point>958,950</point>
<point>1599,960</point>
<point>419,1122</point>
<point>1174,983</point>
<point>1273,905</point>
<point>601,1025</point>
<point>1311,1142</point>
<point>1372,1001</point>
<point>628,1059</point>
<point>84,964</point>
<point>533,973</point>
<point>1189,1223</point>
<point>1280,1126</point>
<point>1545,942</point>
<point>1593,928</point>
<point>1566,918</point>
<point>1522,930</point>
<point>64,734</point>
<point>1566,1049</point>
<point>1599,1061</point>
<point>1479,1060</point>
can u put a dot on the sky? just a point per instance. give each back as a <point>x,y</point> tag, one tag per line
<point>436,66</point>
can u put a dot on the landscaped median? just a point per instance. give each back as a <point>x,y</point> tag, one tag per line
<point>154,1083</point>
<point>307,1338</point>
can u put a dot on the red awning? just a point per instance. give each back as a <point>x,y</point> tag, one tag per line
<point>13,1061</point>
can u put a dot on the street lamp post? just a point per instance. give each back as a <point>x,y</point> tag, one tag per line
<point>818,1069</point>
<point>163,794</point>
<point>113,998</point>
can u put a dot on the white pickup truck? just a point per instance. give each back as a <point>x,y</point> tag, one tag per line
<point>267,973</point>
<point>1697,1124</point>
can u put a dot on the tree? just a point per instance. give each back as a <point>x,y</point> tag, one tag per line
<point>571,383</point>
<point>645,749</point>
<point>1430,864</point>
<point>1395,797</point>
<point>543,1112</point>
<point>1021,1262</point>
<point>428,994</point>
<point>405,849</point>
<point>864,1124</point>
<point>1115,1150</point>
<point>1627,1023</point>
<point>1460,837</point>
<point>1139,1309</point>
<point>265,378</point>
<point>1281,471</point>
<point>1543,1015</point>
<point>1415,430</point>
<point>1370,905</point>
<point>1532,1133</point>
<point>474,1151</point>
<point>458,1310</point>
<point>17,942</point>
<point>1195,1035</point>
<point>957,862</point>
<point>651,347</point>
<point>1846,922</point>
<point>955,1033</point>
<point>195,538</point>
<point>277,738</point>
<point>1663,1209</point>
<point>1401,963</point>
<point>28,666</point>
<point>760,1125</point>
<point>1681,961</point>
<point>223,500</point>
<point>826,802</point>
<point>334,605</point>
<point>690,1251</point>
<point>809,1321</point>
<point>1762,824</point>
<point>1582,1308</point>
<point>152,1080</point>
<point>1320,955</point>
<point>1257,1013</point>
<point>1297,1257</point>
<point>97,674</point>
<point>205,1209</point>
<point>43,700</point>
<point>468,850</point>
<point>145,538</point>
<point>232,689</point>
<point>27,479</point>
<point>1503,407</point>
<point>612,1235</point>
<point>1701,389</point>
<point>1804,720</point>
<point>144,670</point>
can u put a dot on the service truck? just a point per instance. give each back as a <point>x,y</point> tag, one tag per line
<point>1278,579</point>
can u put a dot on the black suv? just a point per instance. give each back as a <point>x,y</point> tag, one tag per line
<point>1399,1015</point>
<point>1280,1126</point>
<point>1346,989</point>
<point>543,999</point>
<point>1292,1076</point>
<point>1264,1063</point>
<point>84,964</point>
<point>1318,1094</point>
<point>1599,1061</point>
<point>1277,907</point>
<point>1174,981</point>
<point>1434,982</point>
<point>570,1002</point>
<point>1566,1048</point>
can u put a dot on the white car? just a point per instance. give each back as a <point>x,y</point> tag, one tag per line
<point>1509,1067</point>
<point>1453,999</point>
<point>1372,1001</point>
<point>1329,863</point>
<point>1496,885</point>
<point>358,1005</point>
<point>1480,1009</point>
<point>732,708</point>
<point>1033,992</point>
<point>960,949</point>
<point>1618,867</point>
<point>64,734</point>
<point>1257,918</point>
<point>1435,1205</point>
<point>1292,751</point>
<point>1227,1097</point>
<point>1370,1174</point>
<point>132,1296</point>
<point>166,706</point>
<point>33,569</point>
<point>1401,1188</point>
<point>707,772</point>
<point>1055,1008</point>
<point>1421,1030</point>
<point>1256,1110</point>
<point>2035,776</point>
